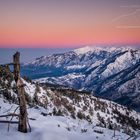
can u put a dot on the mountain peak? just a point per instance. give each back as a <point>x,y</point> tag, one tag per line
<point>84,50</point>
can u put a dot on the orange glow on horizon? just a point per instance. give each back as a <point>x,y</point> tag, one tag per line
<point>38,37</point>
<point>53,23</point>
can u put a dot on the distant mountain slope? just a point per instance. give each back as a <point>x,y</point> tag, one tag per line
<point>112,73</point>
<point>65,109</point>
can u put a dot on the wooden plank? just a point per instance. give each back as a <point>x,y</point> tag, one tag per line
<point>12,122</point>
<point>2,116</point>
<point>22,127</point>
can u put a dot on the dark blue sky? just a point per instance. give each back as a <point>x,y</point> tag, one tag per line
<point>27,54</point>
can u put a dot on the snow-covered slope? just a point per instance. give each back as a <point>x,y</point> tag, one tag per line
<point>61,112</point>
<point>56,127</point>
<point>107,72</point>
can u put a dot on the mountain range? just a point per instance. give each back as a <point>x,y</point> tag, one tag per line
<point>111,73</point>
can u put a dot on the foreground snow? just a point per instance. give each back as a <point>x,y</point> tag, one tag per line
<point>52,128</point>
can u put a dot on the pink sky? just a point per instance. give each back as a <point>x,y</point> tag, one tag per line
<point>68,23</point>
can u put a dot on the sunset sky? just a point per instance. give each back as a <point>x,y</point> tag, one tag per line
<point>61,23</point>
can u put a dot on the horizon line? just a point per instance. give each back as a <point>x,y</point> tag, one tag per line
<point>65,46</point>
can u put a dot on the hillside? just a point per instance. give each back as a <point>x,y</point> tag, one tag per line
<point>68,113</point>
<point>112,73</point>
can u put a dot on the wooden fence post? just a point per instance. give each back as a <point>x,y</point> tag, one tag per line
<point>22,127</point>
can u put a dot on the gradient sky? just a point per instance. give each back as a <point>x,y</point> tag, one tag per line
<point>68,23</point>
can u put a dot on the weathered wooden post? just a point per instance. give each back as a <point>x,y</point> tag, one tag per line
<point>22,127</point>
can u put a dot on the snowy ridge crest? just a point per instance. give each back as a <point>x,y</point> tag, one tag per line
<point>87,49</point>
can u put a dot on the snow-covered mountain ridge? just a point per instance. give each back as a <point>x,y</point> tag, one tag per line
<point>109,72</point>
<point>98,49</point>
<point>72,113</point>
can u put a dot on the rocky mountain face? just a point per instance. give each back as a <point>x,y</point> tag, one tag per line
<point>66,102</point>
<point>112,73</point>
